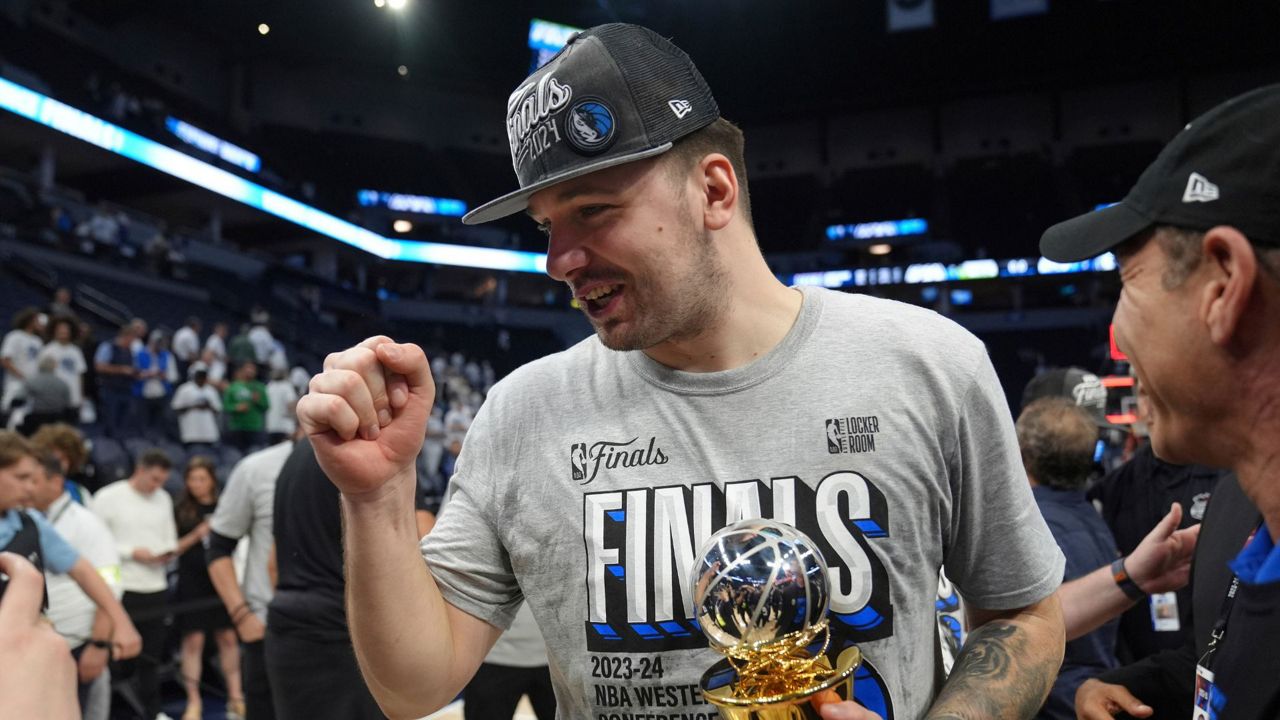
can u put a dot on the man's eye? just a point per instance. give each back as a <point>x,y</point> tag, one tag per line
<point>590,210</point>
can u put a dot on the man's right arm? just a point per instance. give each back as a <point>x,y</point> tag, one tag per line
<point>1160,563</point>
<point>366,416</point>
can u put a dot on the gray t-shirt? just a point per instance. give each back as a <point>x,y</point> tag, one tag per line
<point>590,479</point>
<point>245,508</point>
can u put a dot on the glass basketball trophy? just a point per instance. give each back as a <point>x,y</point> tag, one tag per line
<point>760,596</point>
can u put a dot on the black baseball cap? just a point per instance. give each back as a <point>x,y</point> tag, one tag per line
<point>613,94</point>
<point>1222,169</point>
<point>1075,384</point>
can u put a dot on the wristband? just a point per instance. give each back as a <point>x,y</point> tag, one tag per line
<point>1124,582</point>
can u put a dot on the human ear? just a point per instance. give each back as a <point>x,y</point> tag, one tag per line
<point>1233,269</point>
<point>720,191</point>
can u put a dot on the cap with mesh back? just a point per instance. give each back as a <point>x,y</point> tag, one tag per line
<point>614,94</point>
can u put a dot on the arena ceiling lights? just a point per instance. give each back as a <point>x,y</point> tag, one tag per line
<point>81,125</point>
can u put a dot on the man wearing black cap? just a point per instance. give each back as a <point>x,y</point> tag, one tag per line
<point>591,479</point>
<point>1198,242</point>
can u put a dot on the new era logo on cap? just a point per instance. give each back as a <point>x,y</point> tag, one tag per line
<point>1199,189</point>
<point>680,107</point>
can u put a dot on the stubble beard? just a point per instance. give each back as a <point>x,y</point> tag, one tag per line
<point>677,307</point>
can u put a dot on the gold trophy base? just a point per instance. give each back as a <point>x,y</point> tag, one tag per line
<point>796,705</point>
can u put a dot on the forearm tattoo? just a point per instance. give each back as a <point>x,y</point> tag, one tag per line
<point>999,675</point>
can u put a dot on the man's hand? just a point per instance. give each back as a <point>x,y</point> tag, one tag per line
<point>39,678</point>
<point>1162,561</point>
<point>125,641</point>
<point>1096,700</point>
<point>367,413</point>
<point>250,629</point>
<point>145,556</point>
<point>93,660</point>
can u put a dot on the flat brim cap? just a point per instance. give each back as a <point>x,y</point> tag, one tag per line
<point>614,94</point>
<point>518,201</point>
<point>1092,234</point>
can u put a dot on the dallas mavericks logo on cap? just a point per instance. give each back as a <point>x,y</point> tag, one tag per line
<point>591,126</point>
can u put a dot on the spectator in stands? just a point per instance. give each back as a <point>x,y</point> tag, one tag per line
<point>66,444</point>
<point>452,451</point>
<point>69,364</point>
<point>203,613</point>
<point>300,378</point>
<point>19,353</point>
<point>198,404</point>
<point>279,358</point>
<point>281,401</point>
<point>104,228</point>
<point>60,306</point>
<point>432,452</point>
<point>48,398</point>
<point>186,345</point>
<point>457,421</point>
<point>139,514</point>
<point>87,341</point>
<point>263,342</point>
<point>245,403</point>
<point>139,341</point>
<point>157,373</point>
<point>246,509</point>
<point>86,627</point>
<point>216,343</point>
<point>113,363</point>
<point>240,349</point>
<point>217,369</point>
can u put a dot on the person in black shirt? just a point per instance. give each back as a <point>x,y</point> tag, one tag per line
<point>199,612</point>
<point>1197,240</point>
<point>310,663</point>
<point>1162,685</point>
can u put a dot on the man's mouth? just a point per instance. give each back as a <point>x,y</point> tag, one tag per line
<point>601,299</point>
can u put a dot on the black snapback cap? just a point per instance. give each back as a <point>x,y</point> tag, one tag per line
<point>1222,169</point>
<point>1075,384</point>
<point>613,94</point>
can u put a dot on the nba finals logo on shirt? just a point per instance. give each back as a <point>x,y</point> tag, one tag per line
<point>852,434</point>
<point>585,462</point>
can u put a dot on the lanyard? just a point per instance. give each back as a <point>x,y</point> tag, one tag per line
<point>1224,615</point>
<point>54,520</point>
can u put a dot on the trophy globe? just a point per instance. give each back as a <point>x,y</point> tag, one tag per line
<point>760,596</point>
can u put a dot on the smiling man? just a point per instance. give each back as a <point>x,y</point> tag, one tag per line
<point>1198,240</point>
<point>590,479</point>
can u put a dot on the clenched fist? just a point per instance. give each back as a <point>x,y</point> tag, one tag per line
<point>366,414</point>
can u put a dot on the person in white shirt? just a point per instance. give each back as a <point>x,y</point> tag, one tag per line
<point>263,343</point>
<point>19,353</point>
<point>217,342</point>
<point>186,344</point>
<point>86,627</point>
<point>198,404</point>
<point>69,363</point>
<point>282,398</point>
<point>140,516</point>
<point>457,421</point>
<point>246,508</point>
